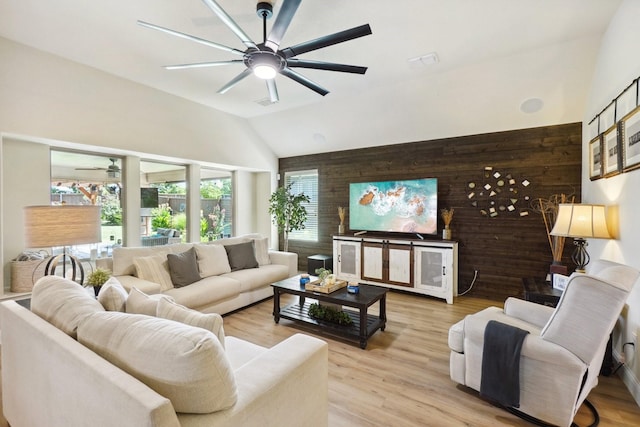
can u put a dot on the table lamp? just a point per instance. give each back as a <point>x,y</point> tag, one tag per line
<point>581,221</point>
<point>66,225</point>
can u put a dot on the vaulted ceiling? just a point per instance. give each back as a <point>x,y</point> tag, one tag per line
<point>503,64</point>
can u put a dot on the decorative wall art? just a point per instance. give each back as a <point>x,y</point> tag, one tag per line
<point>616,149</point>
<point>499,194</point>
<point>595,158</point>
<point>630,130</point>
<point>612,159</point>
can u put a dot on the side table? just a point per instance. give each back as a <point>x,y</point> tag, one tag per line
<point>540,291</point>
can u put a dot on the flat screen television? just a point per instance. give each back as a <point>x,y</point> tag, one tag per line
<point>149,197</point>
<point>402,206</point>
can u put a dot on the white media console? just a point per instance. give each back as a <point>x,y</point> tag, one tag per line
<point>428,267</point>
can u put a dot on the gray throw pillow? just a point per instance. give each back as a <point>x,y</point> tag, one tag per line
<point>241,256</point>
<point>183,268</point>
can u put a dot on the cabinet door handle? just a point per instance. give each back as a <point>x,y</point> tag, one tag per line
<point>339,255</point>
<point>444,270</point>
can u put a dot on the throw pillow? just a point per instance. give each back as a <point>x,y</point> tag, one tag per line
<point>241,256</point>
<point>154,269</point>
<point>212,260</point>
<point>210,321</point>
<point>262,251</point>
<point>62,303</point>
<point>140,303</point>
<point>112,295</point>
<point>187,365</point>
<point>183,268</point>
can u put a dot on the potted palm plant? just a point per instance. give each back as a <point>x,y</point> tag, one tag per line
<point>288,211</point>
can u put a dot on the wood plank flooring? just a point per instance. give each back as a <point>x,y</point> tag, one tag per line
<point>402,377</point>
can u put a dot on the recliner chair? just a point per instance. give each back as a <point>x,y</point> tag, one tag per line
<point>561,356</point>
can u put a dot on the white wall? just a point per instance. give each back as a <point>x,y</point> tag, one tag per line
<point>617,66</point>
<point>47,99</point>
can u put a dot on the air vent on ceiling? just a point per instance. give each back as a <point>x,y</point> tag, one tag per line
<point>265,102</point>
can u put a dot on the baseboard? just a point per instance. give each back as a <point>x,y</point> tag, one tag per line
<point>630,380</point>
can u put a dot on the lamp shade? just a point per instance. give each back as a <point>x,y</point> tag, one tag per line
<point>581,221</point>
<point>47,226</point>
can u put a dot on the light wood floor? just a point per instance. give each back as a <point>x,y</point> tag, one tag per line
<point>402,377</point>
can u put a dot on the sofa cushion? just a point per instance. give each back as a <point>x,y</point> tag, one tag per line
<point>254,278</point>
<point>261,246</point>
<point>173,311</point>
<point>241,256</point>
<point>185,364</point>
<point>154,269</point>
<point>206,292</point>
<point>123,258</point>
<point>140,303</point>
<point>112,295</point>
<point>183,268</point>
<point>62,303</point>
<point>212,260</point>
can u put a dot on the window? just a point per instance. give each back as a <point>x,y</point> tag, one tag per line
<point>79,178</point>
<point>305,182</point>
<point>216,204</point>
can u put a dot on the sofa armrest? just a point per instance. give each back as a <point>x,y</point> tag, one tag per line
<point>290,259</point>
<point>296,368</point>
<point>536,314</point>
<point>105,263</point>
<point>145,286</point>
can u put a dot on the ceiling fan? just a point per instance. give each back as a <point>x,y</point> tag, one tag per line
<point>113,170</point>
<point>266,59</point>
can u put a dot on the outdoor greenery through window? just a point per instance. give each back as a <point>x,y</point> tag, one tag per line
<point>305,182</point>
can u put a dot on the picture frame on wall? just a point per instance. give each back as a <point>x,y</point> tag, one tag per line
<point>630,130</point>
<point>595,158</point>
<point>612,151</point>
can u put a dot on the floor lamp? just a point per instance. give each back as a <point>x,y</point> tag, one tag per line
<point>581,221</point>
<point>64,225</point>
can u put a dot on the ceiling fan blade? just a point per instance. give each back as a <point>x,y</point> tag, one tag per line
<point>203,64</point>
<point>331,39</point>
<point>329,66</point>
<point>303,81</point>
<point>229,22</point>
<point>192,38</point>
<point>273,90</point>
<point>235,80</point>
<point>287,11</point>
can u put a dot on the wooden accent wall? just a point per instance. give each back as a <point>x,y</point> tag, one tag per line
<point>503,248</point>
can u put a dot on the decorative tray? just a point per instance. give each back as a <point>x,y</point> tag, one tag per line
<point>317,286</point>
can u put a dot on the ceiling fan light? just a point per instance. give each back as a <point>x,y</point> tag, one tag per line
<point>264,71</point>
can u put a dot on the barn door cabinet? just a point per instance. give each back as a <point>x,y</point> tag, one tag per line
<point>428,267</point>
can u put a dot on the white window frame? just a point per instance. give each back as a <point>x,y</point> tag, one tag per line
<point>305,181</point>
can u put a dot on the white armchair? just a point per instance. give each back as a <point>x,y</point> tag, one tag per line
<point>561,356</point>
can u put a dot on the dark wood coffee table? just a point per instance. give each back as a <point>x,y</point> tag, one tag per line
<point>364,325</point>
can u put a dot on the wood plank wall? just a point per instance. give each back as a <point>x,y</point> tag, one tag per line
<point>503,248</point>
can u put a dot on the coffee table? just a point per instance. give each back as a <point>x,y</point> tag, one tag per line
<point>364,325</point>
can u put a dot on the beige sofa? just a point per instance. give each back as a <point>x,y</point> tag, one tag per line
<point>220,288</point>
<point>136,370</point>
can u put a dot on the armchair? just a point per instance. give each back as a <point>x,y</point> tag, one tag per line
<point>562,354</point>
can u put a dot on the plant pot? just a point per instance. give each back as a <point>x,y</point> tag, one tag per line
<point>341,229</point>
<point>446,233</point>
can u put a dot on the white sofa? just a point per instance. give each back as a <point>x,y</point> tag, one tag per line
<point>220,288</point>
<point>51,379</point>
